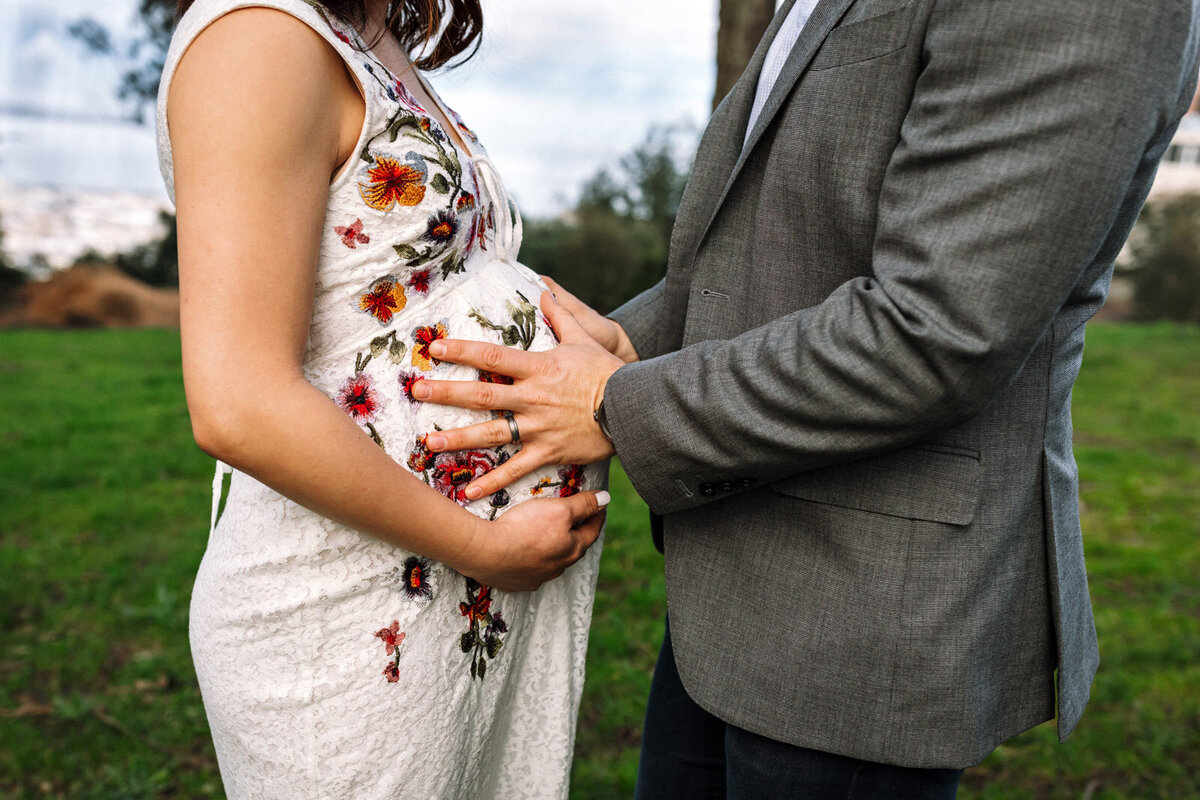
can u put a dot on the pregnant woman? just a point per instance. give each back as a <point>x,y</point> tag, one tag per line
<point>360,628</point>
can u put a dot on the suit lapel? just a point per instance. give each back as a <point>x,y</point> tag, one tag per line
<point>824,17</point>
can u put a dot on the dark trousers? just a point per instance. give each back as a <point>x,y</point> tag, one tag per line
<point>689,753</point>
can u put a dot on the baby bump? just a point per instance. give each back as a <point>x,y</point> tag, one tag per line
<point>494,301</point>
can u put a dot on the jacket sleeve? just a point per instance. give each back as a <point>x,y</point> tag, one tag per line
<point>1022,158</point>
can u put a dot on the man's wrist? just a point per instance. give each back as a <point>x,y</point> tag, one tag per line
<point>601,418</point>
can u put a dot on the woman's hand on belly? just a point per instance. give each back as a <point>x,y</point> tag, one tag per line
<point>534,541</point>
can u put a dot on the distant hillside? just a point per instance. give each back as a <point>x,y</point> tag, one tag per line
<point>90,296</point>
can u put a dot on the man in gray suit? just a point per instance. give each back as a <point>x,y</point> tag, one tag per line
<point>849,399</point>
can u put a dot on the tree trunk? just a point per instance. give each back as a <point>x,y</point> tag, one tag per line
<point>742,24</point>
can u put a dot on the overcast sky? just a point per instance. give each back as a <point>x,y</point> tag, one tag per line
<point>558,90</point>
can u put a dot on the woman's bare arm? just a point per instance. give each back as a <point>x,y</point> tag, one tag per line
<point>261,114</point>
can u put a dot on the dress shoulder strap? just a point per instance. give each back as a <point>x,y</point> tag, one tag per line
<point>203,13</point>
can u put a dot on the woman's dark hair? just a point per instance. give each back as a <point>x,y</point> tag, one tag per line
<point>439,30</point>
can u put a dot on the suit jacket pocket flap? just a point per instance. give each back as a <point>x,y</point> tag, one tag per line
<point>864,39</point>
<point>926,482</point>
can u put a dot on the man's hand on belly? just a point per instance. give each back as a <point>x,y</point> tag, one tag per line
<point>553,400</point>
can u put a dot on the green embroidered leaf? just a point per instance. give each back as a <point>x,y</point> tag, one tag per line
<point>397,350</point>
<point>378,344</point>
<point>473,670</point>
<point>493,646</point>
<point>440,184</point>
<point>453,265</point>
<point>406,251</point>
<point>482,669</point>
<point>467,641</point>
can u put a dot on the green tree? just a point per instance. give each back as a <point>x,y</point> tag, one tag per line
<point>142,55</point>
<point>1165,260</point>
<point>615,243</point>
<point>10,276</point>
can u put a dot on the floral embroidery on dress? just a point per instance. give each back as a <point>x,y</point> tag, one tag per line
<point>484,630</point>
<point>392,638</point>
<point>524,327</point>
<point>418,281</point>
<point>352,234</point>
<point>416,581</point>
<point>407,381</point>
<point>494,377</point>
<point>452,472</point>
<point>383,299</point>
<point>358,398</point>
<point>390,182</point>
<point>422,338</point>
<point>570,481</point>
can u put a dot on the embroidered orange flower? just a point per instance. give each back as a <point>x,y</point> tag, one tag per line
<point>384,299</point>
<point>391,182</point>
<point>422,338</point>
<point>441,227</point>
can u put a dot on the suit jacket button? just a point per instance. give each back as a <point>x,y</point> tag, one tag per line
<point>727,486</point>
<point>745,482</point>
<point>707,489</point>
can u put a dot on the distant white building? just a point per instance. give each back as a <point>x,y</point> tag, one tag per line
<point>1179,172</point>
<point>59,225</point>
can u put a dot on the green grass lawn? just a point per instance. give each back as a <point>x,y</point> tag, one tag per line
<point>104,512</point>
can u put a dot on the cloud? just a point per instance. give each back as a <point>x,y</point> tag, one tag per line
<point>558,90</point>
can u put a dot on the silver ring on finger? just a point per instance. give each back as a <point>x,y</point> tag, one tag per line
<point>512,428</point>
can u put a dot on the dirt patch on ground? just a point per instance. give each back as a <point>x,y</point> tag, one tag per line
<point>90,296</point>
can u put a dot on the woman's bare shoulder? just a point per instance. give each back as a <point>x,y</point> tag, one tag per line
<point>258,71</point>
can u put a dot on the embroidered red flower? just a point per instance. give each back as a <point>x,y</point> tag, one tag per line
<point>391,182</point>
<point>466,202</point>
<point>494,377</point>
<point>407,381</point>
<point>453,471</point>
<point>357,398</point>
<point>391,636</point>
<point>420,459</point>
<point>477,609</point>
<point>352,235</point>
<point>422,338</point>
<point>441,227</point>
<point>570,480</point>
<point>418,280</point>
<point>392,672</point>
<point>416,579</point>
<point>383,300</point>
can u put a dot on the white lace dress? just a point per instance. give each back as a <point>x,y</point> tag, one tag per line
<point>333,665</point>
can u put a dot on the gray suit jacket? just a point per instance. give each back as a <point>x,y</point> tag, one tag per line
<point>853,404</point>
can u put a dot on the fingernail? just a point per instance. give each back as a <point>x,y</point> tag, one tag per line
<point>474,492</point>
<point>603,498</point>
<point>421,391</point>
<point>435,442</point>
<point>437,348</point>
